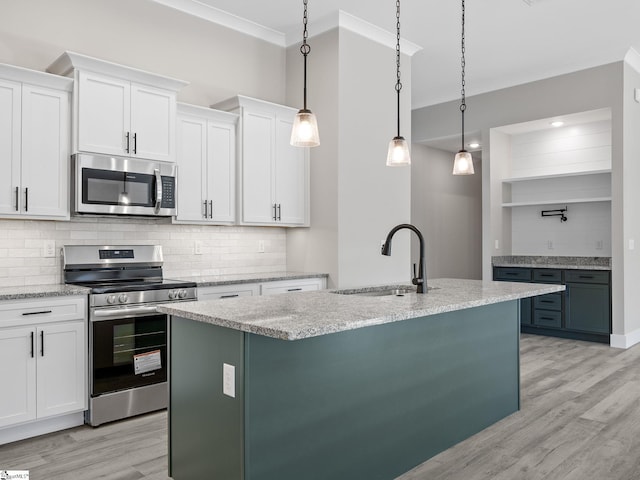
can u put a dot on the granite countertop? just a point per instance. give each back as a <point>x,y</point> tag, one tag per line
<point>40,291</point>
<point>294,316</point>
<point>216,280</point>
<point>530,261</point>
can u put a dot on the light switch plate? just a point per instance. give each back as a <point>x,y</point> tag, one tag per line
<point>229,380</point>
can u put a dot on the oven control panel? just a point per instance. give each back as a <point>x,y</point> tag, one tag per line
<point>143,297</point>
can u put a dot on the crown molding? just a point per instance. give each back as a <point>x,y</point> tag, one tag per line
<point>338,19</point>
<point>632,58</point>
<point>226,19</point>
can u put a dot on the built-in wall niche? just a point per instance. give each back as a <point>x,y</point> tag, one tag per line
<point>543,167</point>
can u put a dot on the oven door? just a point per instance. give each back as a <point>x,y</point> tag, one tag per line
<point>123,186</point>
<point>127,352</point>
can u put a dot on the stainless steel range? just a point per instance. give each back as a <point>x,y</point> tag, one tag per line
<point>128,339</point>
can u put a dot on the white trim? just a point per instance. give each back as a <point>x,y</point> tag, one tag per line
<point>200,111</point>
<point>625,341</point>
<point>226,19</point>
<point>34,77</point>
<point>40,427</point>
<point>632,58</point>
<point>66,63</point>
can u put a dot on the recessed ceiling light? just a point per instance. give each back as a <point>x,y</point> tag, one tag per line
<point>557,123</point>
<point>474,145</point>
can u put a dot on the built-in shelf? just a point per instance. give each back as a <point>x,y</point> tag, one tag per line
<point>557,202</point>
<point>557,175</point>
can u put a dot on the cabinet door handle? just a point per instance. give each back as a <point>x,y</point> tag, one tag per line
<point>230,296</point>
<point>275,217</point>
<point>294,290</point>
<point>17,197</point>
<point>26,199</point>
<point>127,137</point>
<point>32,344</point>
<point>279,212</point>
<point>41,312</point>
<point>42,343</point>
<point>206,214</point>
<point>135,143</point>
<point>210,208</point>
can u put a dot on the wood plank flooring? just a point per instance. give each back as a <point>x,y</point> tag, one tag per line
<point>580,420</point>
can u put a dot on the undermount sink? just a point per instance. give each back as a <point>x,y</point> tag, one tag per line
<point>382,291</point>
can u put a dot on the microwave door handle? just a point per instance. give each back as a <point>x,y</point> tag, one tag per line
<point>156,208</point>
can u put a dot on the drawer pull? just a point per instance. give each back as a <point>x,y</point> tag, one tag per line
<point>42,312</point>
<point>547,301</point>
<point>294,289</point>
<point>229,296</point>
<point>546,275</point>
<point>546,318</point>
<point>511,273</point>
<point>586,276</point>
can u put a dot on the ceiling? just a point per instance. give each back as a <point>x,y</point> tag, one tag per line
<point>509,42</point>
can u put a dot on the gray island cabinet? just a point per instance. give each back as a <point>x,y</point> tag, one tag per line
<point>318,385</point>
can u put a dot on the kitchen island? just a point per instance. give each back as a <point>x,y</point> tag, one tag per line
<point>322,385</point>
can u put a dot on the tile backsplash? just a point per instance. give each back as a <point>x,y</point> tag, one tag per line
<point>225,249</point>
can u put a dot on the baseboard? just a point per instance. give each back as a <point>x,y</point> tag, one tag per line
<point>625,341</point>
<point>40,427</point>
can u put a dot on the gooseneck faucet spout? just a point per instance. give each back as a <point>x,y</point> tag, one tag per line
<point>419,279</point>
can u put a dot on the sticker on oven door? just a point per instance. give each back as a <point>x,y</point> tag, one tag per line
<point>147,362</point>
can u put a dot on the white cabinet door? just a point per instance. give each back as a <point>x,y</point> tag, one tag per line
<point>221,163</point>
<point>290,175</point>
<point>257,157</point>
<point>61,362</point>
<point>192,168</point>
<point>17,375</point>
<point>10,100</point>
<point>45,152</point>
<point>104,114</point>
<point>153,124</point>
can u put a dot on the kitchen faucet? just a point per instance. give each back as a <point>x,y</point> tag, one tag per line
<point>420,280</point>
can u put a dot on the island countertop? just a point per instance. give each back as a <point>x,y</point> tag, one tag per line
<point>296,316</point>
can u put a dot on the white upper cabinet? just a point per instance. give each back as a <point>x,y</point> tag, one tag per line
<point>120,110</point>
<point>273,175</point>
<point>34,144</point>
<point>207,161</point>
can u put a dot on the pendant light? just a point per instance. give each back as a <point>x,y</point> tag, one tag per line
<point>305,127</point>
<point>463,163</point>
<point>398,155</point>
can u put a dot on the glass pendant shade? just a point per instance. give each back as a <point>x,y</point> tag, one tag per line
<point>463,163</point>
<point>398,155</point>
<point>305,130</point>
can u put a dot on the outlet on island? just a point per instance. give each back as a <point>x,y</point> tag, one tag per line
<point>197,247</point>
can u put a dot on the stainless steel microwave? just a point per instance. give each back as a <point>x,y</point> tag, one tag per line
<point>108,185</point>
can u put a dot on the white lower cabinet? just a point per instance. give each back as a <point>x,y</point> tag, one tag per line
<point>43,353</point>
<point>228,291</point>
<point>289,286</point>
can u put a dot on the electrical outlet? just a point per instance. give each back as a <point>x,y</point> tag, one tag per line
<point>197,247</point>
<point>599,244</point>
<point>497,244</point>
<point>550,244</point>
<point>229,380</point>
<point>260,246</point>
<point>49,248</point>
<point>632,244</point>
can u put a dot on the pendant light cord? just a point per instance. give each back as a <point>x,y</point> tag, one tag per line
<point>463,104</point>
<point>398,84</point>
<point>305,48</point>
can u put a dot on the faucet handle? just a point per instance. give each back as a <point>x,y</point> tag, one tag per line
<point>415,280</point>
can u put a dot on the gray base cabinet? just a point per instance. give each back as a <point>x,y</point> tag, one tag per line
<point>582,312</point>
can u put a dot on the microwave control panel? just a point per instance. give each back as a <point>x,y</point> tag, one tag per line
<point>168,192</point>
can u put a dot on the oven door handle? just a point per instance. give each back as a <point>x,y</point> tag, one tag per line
<point>156,207</point>
<point>120,312</point>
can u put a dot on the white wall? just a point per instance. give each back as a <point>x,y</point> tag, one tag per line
<point>355,198</point>
<point>448,211</point>
<point>218,62</point>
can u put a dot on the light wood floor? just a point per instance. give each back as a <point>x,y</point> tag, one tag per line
<point>580,420</point>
